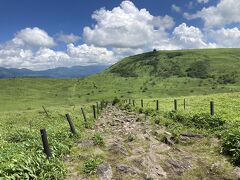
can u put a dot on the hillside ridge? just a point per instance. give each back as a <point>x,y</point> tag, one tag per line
<point>218,64</point>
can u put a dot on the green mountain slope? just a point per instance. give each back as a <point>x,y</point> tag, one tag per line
<point>148,75</point>
<point>203,63</point>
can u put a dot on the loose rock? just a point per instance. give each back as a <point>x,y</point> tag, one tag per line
<point>104,171</point>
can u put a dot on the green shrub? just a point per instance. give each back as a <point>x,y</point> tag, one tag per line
<point>227,79</point>
<point>115,101</point>
<point>150,111</point>
<point>202,121</point>
<point>127,107</point>
<point>98,139</point>
<point>168,68</point>
<point>140,110</point>
<point>30,162</point>
<point>198,69</point>
<point>90,165</point>
<point>124,72</point>
<point>231,145</point>
<point>19,136</point>
<point>174,54</point>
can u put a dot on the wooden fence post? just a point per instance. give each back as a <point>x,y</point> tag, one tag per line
<point>184,104</point>
<point>133,102</point>
<point>175,104</point>
<point>45,143</point>
<point>94,112</point>
<point>101,105</point>
<point>212,108</point>
<point>45,111</point>
<point>84,116</point>
<point>157,105</point>
<point>142,103</point>
<point>97,108</point>
<point>72,128</point>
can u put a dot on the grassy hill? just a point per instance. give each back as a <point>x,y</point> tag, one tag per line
<point>213,62</point>
<point>198,76</point>
<point>148,75</point>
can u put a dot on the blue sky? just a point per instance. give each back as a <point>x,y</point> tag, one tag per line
<point>46,34</point>
<point>55,16</point>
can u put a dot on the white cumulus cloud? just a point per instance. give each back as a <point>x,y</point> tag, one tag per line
<point>67,38</point>
<point>224,13</point>
<point>188,37</point>
<point>34,52</point>
<point>85,54</point>
<point>176,8</point>
<point>226,37</point>
<point>33,37</point>
<point>126,26</point>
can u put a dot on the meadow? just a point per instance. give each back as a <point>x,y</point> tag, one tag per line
<point>137,77</point>
<point>21,150</point>
<point>32,93</point>
<point>226,105</point>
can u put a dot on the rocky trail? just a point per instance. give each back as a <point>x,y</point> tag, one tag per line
<point>134,149</point>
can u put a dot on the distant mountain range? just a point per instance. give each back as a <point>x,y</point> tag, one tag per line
<point>61,72</point>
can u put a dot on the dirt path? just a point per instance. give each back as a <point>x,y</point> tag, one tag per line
<point>134,150</point>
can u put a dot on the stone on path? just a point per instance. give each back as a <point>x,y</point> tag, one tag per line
<point>104,171</point>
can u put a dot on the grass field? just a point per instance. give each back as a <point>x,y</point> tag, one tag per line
<point>20,141</point>
<point>226,105</point>
<point>147,75</point>
<point>22,116</point>
<point>32,93</point>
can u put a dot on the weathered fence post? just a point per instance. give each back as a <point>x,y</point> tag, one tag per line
<point>72,128</point>
<point>94,112</point>
<point>184,104</point>
<point>212,108</point>
<point>142,103</point>
<point>157,105</point>
<point>30,125</point>
<point>133,102</point>
<point>101,105</point>
<point>129,101</point>
<point>84,117</point>
<point>97,108</point>
<point>45,111</point>
<point>175,104</point>
<point>45,143</point>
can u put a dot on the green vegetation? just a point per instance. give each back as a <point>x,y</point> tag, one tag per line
<point>202,121</point>
<point>199,76</point>
<point>21,151</point>
<point>156,74</point>
<point>90,166</point>
<point>196,118</point>
<point>98,139</point>
<point>231,145</point>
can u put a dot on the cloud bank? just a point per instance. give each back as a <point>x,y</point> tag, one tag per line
<point>125,30</point>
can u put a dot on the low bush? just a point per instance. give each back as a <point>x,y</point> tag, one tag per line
<point>150,111</point>
<point>227,79</point>
<point>98,139</point>
<point>231,145</point>
<point>115,101</point>
<point>90,165</point>
<point>202,121</point>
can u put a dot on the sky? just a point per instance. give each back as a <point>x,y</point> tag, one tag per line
<point>44,34</point>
